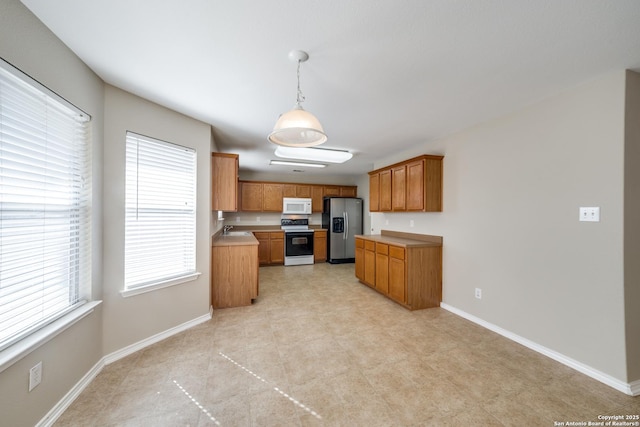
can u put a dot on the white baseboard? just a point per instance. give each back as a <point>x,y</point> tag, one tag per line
<point>632,389</point>
<point>124,352</point>
<point>55,412</point>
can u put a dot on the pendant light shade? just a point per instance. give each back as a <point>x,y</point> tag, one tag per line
<point>298,128</point>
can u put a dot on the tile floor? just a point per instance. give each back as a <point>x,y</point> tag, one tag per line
<point>320,349</point>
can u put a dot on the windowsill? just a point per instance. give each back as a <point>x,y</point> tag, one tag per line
<point>20,349</point>
<point>160,285</point>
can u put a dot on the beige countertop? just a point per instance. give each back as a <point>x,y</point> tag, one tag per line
<point>408,240</point>
<point>221,240</point>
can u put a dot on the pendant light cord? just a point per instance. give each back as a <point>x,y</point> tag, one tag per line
<point>300,98</point>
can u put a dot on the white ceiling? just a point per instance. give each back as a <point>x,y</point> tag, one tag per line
<point>383,75</point>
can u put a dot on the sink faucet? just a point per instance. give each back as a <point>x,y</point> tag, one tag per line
<point>226,229</point>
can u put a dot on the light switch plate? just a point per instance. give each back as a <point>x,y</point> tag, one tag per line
<point>591,214</point>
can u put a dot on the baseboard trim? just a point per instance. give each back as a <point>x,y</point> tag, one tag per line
<point>632,389</point>
<point>126,351</point>
<point>55,412</point>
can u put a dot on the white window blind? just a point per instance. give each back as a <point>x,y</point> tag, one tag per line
<point>160,223</point>
<point>45,190</point>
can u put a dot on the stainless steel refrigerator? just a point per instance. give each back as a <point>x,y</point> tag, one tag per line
<point>342,217</point>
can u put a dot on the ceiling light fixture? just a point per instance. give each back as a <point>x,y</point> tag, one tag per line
<point>313,154</point>
<point>283,163</point>
<point>298,128</point>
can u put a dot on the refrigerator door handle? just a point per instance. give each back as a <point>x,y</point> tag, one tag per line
<point>346,223</point>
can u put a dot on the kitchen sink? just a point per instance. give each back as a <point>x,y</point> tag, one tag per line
<point>237,233</point>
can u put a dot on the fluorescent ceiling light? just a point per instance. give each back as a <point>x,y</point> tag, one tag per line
<point>310,165</point>
<point>314,154</point>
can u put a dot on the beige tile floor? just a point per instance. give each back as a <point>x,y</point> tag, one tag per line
<point>318,348</point>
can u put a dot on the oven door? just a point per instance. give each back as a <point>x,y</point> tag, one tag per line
<point>298,243</point>
<point>298,247</point>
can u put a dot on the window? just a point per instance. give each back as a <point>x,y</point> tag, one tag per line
<point>160,222</point>
<point>45,189</point>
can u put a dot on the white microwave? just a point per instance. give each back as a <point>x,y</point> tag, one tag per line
<point>296,206</point>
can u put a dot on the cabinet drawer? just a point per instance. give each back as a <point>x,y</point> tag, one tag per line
<point>396,252</point>
<point>261,235</point>
<point>276,235</point>
<point>359,243</point>
<point>369,245</point>
<point>382,248</point>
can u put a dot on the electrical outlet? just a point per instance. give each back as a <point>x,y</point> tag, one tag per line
<point>411,223</point>
<point>478,293</point>
<point>35,376</point>
<point>257,219</point>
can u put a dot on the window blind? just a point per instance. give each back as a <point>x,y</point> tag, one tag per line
<point>45,189</point>
<point>160,218</point>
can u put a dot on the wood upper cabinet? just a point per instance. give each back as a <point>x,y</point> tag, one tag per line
<point>399,188</point>
<point>251,196</point>
<point>320,245</point>
<point>412,185</point>
<point>385,190</point>
<point>374,192</point>
<point>256,196</point>
<point>317,192</point>
<point>272,197</point>
<point>224,182</point>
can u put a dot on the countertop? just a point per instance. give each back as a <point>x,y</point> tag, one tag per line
<point>220,239</point>
<point>407,240</point>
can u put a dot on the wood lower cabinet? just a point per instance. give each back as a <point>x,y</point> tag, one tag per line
<point>359,259</point>
<point>319,245</point>
<point>234,275</point>
<point>270,247</point>
<point>405,267</point>
<point>370,263</point>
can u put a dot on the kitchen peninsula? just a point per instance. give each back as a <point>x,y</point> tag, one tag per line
<point>405,267</point>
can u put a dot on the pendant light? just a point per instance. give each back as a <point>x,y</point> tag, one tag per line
<point>298,128</point>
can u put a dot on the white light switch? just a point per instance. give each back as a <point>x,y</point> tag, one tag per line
<point>590,214</point>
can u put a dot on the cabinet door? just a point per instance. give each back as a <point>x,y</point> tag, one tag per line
<point>303,191</point>
<point>399,188</point>
<point>272,197</point>
<point>289,190</point>
<point>276,252</point>
<point>319,246</point>
<point>397,274</point>
<point>348,191</point>
<point>224,182</point>
<point>251,196</point>
<point>360,259</point>
<point>385,190</point>
<point>331,190</point>
<point>264,248</point>
<point>317,192</point>
<point>415,186</point>
<point>370,263</point>
<point>382,268</point>
<point>374,192</point>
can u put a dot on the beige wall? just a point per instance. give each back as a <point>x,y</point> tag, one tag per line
<point>632,224</point>
<point>30,46</point>
<point>512,189</point>
<point>129,320</point>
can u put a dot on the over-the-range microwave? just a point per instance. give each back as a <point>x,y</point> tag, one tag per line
<point>292,205</point>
